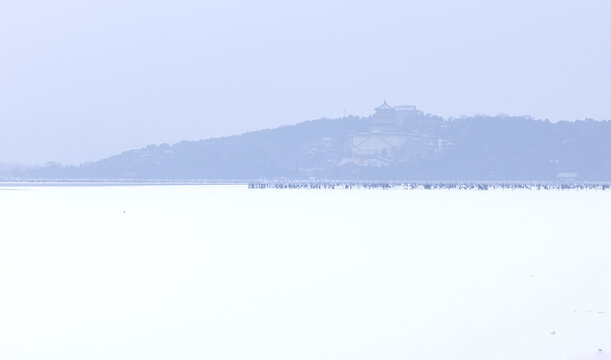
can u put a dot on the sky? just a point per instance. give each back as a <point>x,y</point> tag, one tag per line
<point>82,80</point>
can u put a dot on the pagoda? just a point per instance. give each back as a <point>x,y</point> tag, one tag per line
<point>385,119</point>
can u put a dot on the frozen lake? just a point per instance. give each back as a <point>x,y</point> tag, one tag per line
<point>223,272</point>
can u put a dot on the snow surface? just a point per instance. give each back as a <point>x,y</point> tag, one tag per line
<point>223,272</point>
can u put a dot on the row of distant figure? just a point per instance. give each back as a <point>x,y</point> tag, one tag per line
<point>423,185</point>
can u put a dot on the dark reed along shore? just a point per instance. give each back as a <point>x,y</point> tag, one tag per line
<point>425,185</point>
<point>316,184</point>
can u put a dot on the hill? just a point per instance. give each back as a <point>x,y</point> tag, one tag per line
<point>395,143</point>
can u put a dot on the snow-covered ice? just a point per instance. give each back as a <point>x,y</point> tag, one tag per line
<point>223,272</point>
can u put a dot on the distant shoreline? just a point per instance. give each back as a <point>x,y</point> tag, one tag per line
<point>321,184</point>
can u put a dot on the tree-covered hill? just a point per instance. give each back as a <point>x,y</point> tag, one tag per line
<point>418,147</point>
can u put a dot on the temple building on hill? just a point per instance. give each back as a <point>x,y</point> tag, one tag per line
<point>396,134</point>
<point>390,119</point>
<point>378,146</point>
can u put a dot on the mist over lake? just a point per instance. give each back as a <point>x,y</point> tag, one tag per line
<point>224,272</point>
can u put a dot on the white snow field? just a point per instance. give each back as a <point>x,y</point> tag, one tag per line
<point>223,272</point>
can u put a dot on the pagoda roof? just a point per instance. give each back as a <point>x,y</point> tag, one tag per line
<point>384,107</point>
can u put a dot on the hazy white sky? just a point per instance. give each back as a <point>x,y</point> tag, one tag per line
<point>81,80</point>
